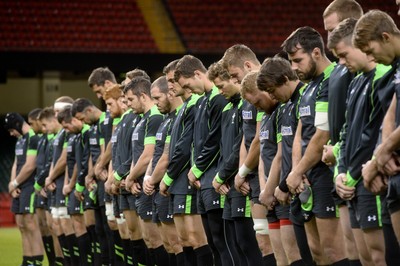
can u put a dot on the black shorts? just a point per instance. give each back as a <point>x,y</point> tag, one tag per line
<point>161,209</point>
<point>254,183</point>
<point>24,204</point>
<point>41,202</point>
<point>236,206</point>
<point>101,193</point>
<point>296,214</point>
<point>90,200</point>
<point>282,211</point>
<point>144,206</point>
<point>393,194</point>
<point>272,217</point>
<point>115,201</point>
<point>183,204</point>
<point>367,209</point>
<point>209,199</point>
<point>126,202</point>
<point>74,205</point>
<point>60,199</point>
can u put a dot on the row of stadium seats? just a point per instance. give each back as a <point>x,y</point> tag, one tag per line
<point>205,26</point>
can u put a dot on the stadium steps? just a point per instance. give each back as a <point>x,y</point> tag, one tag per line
<point>160,26</point>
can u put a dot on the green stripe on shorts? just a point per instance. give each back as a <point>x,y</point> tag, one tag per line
<point>188,204</point>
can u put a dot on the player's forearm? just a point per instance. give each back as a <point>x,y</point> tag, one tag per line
<point>313,152</point>
<point>26,172</point>
<point>160,169</point>
<point>59,167</point>
<point>106,155</point>
<point>253,154</point>
<point>275,170</point>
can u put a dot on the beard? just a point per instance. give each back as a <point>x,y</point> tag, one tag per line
<point>310,74</point>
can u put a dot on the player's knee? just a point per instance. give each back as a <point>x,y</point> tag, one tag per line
<point>261,226</point>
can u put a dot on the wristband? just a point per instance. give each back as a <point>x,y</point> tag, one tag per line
<point>15,183</point>
<point>243,171</point>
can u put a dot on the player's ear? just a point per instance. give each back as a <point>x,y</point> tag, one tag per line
<point>386,37</point>
<point>247,66</point>
<point>316,53</point>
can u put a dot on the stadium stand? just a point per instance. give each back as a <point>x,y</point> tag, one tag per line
<point>74,26</point>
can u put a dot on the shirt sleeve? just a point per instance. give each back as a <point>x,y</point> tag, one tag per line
<point>181,153</point>
<point>321,106</point>
<point>211,147</point>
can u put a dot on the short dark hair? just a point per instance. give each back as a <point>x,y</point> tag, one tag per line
<point>80,105</point>
<point>65,115</point>
<point>138,86</point>
<point>343,32</point>
<point>170,67</point>
<point>100,75</point>
<point>274,72</point>
<point>47,113</point>
<point>161,83</point>
<point>34,114</point>
<point>186,67</point>
<point>307,37</point>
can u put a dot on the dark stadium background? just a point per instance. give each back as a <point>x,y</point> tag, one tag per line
<point>49,47</point>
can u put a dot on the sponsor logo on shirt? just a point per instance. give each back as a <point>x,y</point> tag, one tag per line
<point>397,77</point>
<point>233,118</point>
<point>106,120</point>
<point>247,115</point>
<point>371,218</point>
<point>56,142</point>
<point>19,152</point>
<point>159,136</point>
<point>264,135</point>
<point>114,138</point>
<point>305,111</point>
<point>286,131</point>
<point>93,141</point>
<point>69,148</point>
<point>135,136</point>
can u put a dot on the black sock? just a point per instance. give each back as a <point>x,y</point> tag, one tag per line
<point>160,256</point>
<point>101,221</point>
<point>24,258</point>
<point>128,249</point>
<point>180,259</point>
<point>139,251</point>
<point>38,260</point>
<point>29,260</point>
<point>204,256</point>
<point>301,239</point>
<point>270,260</point>
<point>296,263</point>
<point>95,250</point>
<point>355,263</point>
<point>59,261</point>
<point>84,249</point>
<point>72,243</point>
<point>118,248</point>
<point>172,259</point>
<point>65,249</point>
<point>49,248</point>
<point>190,257</point>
